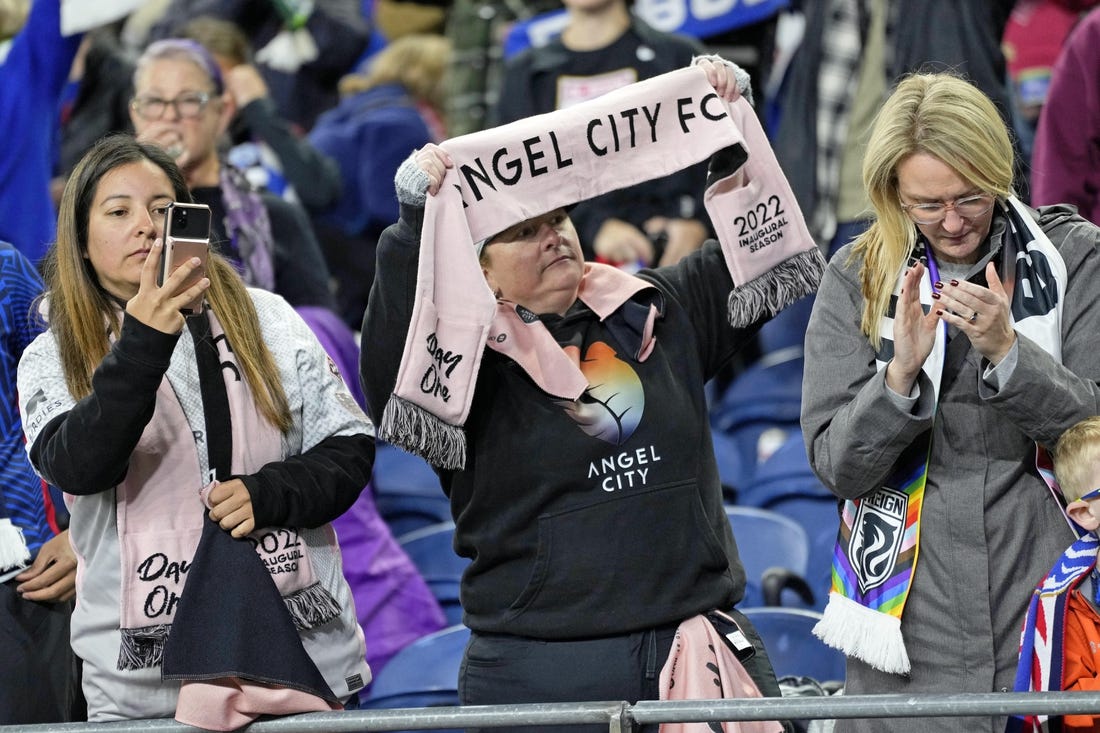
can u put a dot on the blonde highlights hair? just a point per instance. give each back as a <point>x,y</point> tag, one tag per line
<point>940,115</point>
<point>1077,459</point>
<point>84,318</point>
<point>224,39</point>
<point>13,16</point>
<point>417,62</point>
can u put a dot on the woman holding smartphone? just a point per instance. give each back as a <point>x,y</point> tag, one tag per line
<point>172,438</point>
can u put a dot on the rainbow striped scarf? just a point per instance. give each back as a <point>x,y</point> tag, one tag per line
<point>879,538</point>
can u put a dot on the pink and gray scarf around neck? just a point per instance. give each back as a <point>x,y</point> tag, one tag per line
<point>160,508</point>
<point>174,561</point>
<point>514,172</point>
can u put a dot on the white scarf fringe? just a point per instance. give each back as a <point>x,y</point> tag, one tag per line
<point>867,635</point>
<point>13,546</point>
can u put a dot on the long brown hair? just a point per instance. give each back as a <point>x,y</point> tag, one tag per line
<point>84,318</point>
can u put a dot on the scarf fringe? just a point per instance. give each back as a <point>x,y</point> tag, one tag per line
<point>311,607</point>
<point>867,635</point>
<point>13,546</point>
<point>418,431</point>
<point>142,648</point>
<point>777,288</point>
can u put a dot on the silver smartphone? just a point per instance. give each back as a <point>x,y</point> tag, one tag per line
<point>186,235</point>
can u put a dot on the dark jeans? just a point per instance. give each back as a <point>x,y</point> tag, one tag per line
<point>500,669</point>
<point>37,668</point>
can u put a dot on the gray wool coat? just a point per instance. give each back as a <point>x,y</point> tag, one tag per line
<point>990,529</point>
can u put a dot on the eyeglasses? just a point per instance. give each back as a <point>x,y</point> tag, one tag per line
<point>187,105</point>
<point>965,208</point>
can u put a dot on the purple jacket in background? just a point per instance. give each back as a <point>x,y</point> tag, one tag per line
<point>1065,162</point>
<point>394,605</point>
<point>392,601</point>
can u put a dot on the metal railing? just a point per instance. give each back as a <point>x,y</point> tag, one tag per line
<point>622,717</point>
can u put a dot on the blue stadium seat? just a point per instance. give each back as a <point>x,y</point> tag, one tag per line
<point>731,465</point>
<point>786,484</point>
<point>786,472</point>
<point>787,328</point>
<point>407,491</point>
<point>767,540</point>
<point>398,471</point>
<point>792,647</point>
<point>820,517</point>
<point>423,674</point>
<point>431,548</point>
<point>755,414</point>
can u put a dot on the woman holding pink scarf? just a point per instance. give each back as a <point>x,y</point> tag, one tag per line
<point>202,457</point>
<point>563,402</point>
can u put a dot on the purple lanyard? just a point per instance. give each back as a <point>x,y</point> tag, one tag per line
<point>933,271</point>
<point>934,274</point>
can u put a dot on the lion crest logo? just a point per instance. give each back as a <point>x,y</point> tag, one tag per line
<point>876,537</point>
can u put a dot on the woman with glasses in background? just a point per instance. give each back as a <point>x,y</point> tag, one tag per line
<point>180,104</point>
<point>948,342</point>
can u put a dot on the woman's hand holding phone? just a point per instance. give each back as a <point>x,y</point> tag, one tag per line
<point>155,305</point>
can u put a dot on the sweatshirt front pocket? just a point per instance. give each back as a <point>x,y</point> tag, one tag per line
<point>649,549</point>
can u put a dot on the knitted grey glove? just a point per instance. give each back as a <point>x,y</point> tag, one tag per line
<point>744,81</point>
<point>411,183</point>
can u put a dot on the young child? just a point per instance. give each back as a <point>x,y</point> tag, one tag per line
<point>1064,607</point>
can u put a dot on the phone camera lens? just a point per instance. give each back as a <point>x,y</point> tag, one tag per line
<point>181,217</point>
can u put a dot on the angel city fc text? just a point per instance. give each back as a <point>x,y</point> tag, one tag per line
<point>630,128</point>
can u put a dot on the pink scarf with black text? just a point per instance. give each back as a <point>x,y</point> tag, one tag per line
<point>524,169</point>
<point>700,666</point>
<point>160,510</point>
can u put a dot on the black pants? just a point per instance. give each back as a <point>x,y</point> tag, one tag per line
<point>500,669</point>
<point>37,679</point>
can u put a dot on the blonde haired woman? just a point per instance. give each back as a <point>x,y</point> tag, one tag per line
<point>394,107</point>
<point>417,62</point>
<point>958,333</point>
<point>150,421</point>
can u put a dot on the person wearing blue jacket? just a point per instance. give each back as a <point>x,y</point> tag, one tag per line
<point>31,81</point>
<point>37,564</point>
<point>392,108</point>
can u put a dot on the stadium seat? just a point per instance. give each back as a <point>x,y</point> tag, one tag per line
<point>431,548</point>
<point>820,517</point>
<point>756,413</point>
<point>423,674</point>
<point>767,540</point>
<point>785,472</point>
<point>792,647</point>
<point>407,491</point>
<point>787,328</point>
<point>786,484</point>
